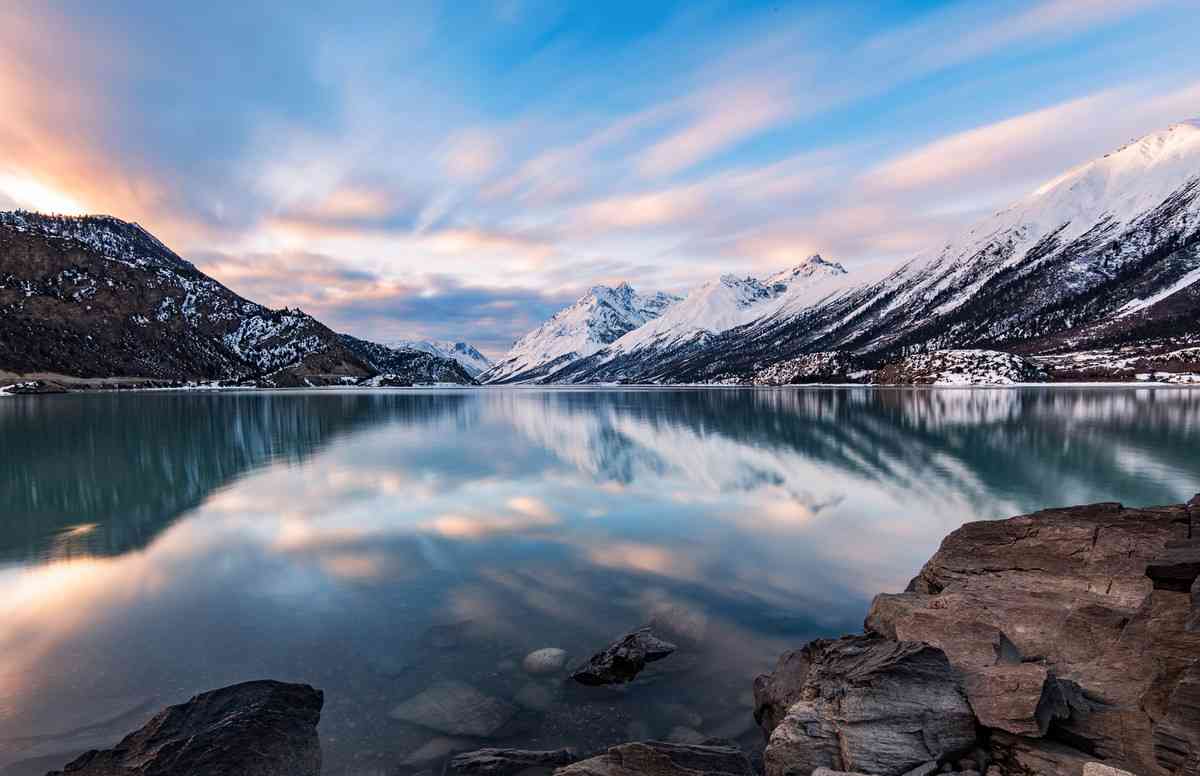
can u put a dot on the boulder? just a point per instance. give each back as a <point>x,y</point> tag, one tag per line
<point>1067,623</point>
<point>261,728</point>
<point>507,762</point>
<point>657,758</point>
<point>624,659</point>
<point>1177,735</point>
<point>456,709</point>
<point>862,703</point>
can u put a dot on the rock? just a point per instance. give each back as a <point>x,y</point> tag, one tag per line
<point>924,770</point>
<point>1177,735</point>
<point>507,762</point>
<point>622,660</point>
<point>456,709</point>
<point>535,696</point>
<point>1092,596</point>
<point>1099,769</point>
<point>1194,619</point>
<point>656,758</point>
<point>436,749</point>
<point>828,772</point>
<point>863,703</point>
<point>451,635</point>
<point>1017,698</point>
<point>548,660</point>
<point>961,367</point>
<point>261,728</point>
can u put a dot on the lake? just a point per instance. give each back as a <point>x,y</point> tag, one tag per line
<point>379,543</point>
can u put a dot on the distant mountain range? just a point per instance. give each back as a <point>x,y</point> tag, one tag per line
<point>1095,275</point>
<point>94,297</point>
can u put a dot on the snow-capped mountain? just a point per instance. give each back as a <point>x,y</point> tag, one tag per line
<point>97,297</point>
<point>1106,255</point>
<point>474,362</point>
<point>714,307</point>
<point>596,319</point>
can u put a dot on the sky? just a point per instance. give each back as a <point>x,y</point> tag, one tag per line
<point>461,170</point>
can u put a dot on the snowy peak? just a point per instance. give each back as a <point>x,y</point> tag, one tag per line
<point>470,359</point>
<point>813,267</point>
<point>596,319</point>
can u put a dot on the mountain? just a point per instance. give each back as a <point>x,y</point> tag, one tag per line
<point>97,297</point>
<point>710,309</point>
<point>409,364</point>
<point>596,319</point>
<point>1099,267</point>
<point>474,362</point>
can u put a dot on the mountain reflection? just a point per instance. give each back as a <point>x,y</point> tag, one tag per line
<point>105,473</point>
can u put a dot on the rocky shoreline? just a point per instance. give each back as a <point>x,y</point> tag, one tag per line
<point>1065,642</point>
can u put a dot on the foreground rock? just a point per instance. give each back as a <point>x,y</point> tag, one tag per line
<point>507,762</point>
<point>261,728</point>
<point>1069,627</point>
<point>624,659</point>
<point>862,703</point>
<point>658,758</point>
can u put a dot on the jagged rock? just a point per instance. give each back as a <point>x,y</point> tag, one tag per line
<point>261,728</point>
<point>657,758</point>
<point>622,660</point>
<point>1064,591</point>
<point>863,703</point>
<point>506,762</point>
<point>456,709</point>
<point>547,660</point>
<point>1176,568</point>
<point>1177,735</point>
<point>1017,698</point>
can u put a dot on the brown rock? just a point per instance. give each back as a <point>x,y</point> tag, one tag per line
<point>1177,735</point>
<point>862,703</point>
<point>657,758</point>
<point>1092,595</point>
<point>506,762</point>
<point>261,728</point>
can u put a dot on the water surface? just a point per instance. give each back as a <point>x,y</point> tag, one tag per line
<point>376,543</point>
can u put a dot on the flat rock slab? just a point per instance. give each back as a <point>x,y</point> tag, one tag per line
<point>658,758</point>
<point>1016,698</point>
<point>456,709</point>
<point>624,659</point>
<point>508,762</point>
<point>261,728</point>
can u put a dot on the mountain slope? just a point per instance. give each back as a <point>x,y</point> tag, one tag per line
<point>1107,254</point>
<point>97,297</point>
<point>474,362</point>
<point>416,365</point>
<point>596,319</point>
<point>712,308</point>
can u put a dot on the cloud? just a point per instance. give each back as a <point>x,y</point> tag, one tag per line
<point>472,154</point>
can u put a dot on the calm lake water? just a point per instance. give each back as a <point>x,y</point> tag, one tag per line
<point>375,544</point>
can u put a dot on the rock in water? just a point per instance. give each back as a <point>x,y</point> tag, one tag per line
<point>507,762</point>
<point>862,703</point>
<point>623,659</point>
<point>547,660</point>
<point>456,709</point>
<point>656,758</point>
<point>261,728</point>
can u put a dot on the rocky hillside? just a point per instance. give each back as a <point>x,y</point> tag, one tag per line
<point>97,297</point>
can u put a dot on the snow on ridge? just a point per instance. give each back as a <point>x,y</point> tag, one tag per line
<point>467,356</point>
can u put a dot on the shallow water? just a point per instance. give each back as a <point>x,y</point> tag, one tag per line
<point>376,544</point>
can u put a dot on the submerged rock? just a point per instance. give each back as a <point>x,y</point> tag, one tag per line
<point>261,728</point>
<point>456,709</point>
<point>624,659</point>
<point>862,703</point>
<point>657,758</point>
<point>507,762</point>
<point>547,660</point>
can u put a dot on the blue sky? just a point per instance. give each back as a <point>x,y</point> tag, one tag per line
<point>461,170</point>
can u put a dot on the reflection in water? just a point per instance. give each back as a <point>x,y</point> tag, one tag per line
<point>157,545</point>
